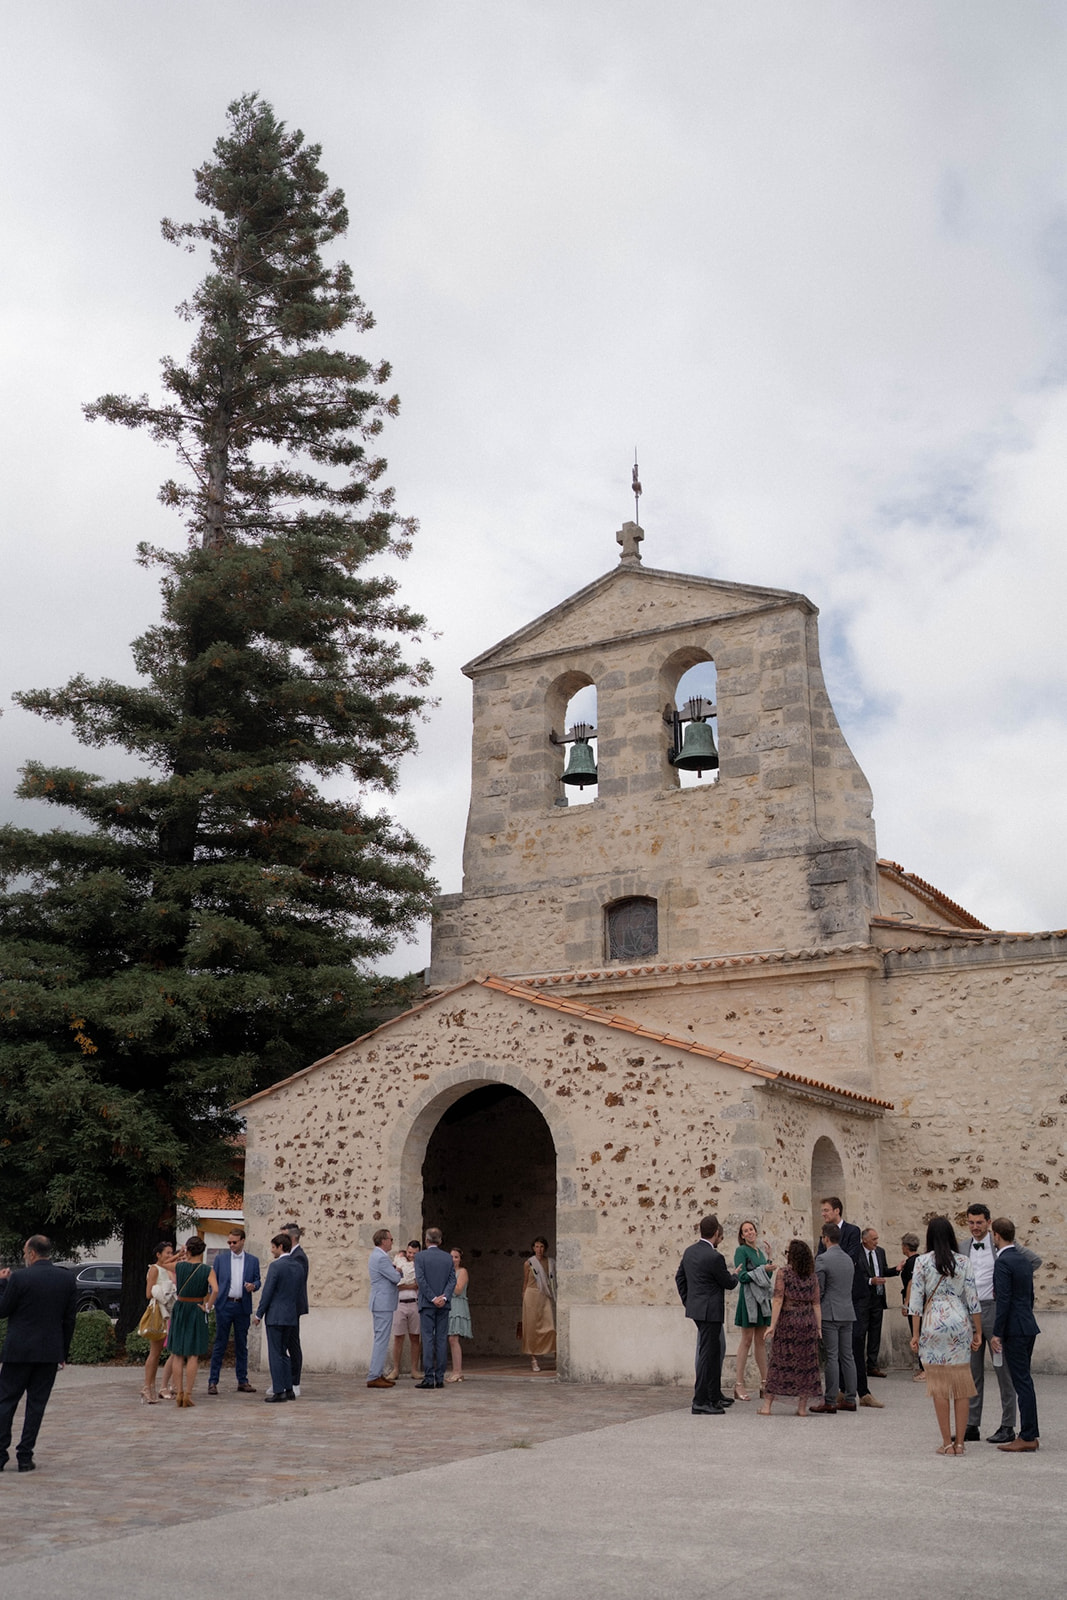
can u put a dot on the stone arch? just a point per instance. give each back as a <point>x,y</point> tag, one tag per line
<point>827,1177</point>
<point>407,1156</point>
<point>695,662</point>
<point>560,714</point>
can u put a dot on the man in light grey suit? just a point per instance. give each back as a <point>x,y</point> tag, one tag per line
<point>384,1282</point>
<point>834,1271</point>
<point>981,1252</point>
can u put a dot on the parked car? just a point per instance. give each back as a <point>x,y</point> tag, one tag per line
<point>99,1286</point>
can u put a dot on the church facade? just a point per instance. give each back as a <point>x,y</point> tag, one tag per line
<point>688,993</point>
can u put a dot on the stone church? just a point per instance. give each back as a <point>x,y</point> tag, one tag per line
<point>678,978</point>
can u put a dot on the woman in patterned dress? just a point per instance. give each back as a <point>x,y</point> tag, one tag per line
<point>796,1323</point>
<point>944,1296</point>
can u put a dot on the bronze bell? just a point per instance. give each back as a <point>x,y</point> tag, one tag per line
<point>698,753</point>
<point>581,765</point>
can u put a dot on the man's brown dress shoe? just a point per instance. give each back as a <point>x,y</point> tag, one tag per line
<point>212,1388</point>
<point>245,1388</point>
<point>1020,1444</point>
<point>824,1410</point>
<point>380,1383</point>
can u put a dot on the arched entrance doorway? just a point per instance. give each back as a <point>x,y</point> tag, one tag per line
<point>489,1183</point>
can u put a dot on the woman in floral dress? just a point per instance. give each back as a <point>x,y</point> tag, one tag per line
<point>944,1296</point>
<point>796,1323</point>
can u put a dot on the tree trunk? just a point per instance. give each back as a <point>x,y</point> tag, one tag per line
<point>141,1232</point>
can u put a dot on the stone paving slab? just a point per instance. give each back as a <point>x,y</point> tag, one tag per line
<point>630,1510</point>
<point>109,1466</point>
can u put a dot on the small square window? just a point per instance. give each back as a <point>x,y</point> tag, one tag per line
<point>633,930</point>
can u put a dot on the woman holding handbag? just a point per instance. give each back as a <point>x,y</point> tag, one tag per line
<point>944,1296</point>
<point>160,1288</point>
<point>188,1337</point>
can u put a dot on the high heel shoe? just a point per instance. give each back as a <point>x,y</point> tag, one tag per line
<point>739,1394</point>
<point>535,1366</point>
<point>168,1393</point>
<point>149,1397</point>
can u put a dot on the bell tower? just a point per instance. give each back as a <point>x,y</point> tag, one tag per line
<point>603,844</point>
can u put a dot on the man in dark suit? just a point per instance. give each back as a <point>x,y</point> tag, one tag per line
<point>237,1275</point>
<point>279,1308</point>
<point>702,1279</point>
<point>878,1270</point>
<point>38,1302</point>
<point>435,1274</point>
<point>848,1233</point>
<point>297,1252</point>
<point>1015,1329</point>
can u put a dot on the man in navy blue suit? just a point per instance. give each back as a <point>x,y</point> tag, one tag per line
<point>1015,1329</point>
<point>237,1274</point>
<point>39,1306</point>
<point>435,1274</point>
<point>279,1308</point>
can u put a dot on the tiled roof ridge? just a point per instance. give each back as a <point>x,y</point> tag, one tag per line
<point>757,958</point>
<point>930,892</point>
<point>954,937</point>
<point>690,1046</point>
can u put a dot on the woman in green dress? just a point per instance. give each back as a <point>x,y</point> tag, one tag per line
<point>747,1257</point>
<point>187,1339</point>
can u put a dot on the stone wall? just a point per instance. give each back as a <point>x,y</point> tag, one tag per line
<point>647,1137</point>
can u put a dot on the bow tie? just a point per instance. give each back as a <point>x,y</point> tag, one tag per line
<point>978,1244</point>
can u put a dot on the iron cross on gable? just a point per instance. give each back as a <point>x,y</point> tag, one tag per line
<point>630,536</point>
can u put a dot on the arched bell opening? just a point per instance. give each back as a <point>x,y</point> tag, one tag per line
<point>827,1178</point>
<point>688,680</point>
<point>489,1184</point>
<point>572,708</point>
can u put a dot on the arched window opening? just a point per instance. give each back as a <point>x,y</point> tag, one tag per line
<point>578,779</point>
<point>694,700</point>
<point>632,929</point>
<point>827,1178</point>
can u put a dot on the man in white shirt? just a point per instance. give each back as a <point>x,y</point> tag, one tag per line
<point>980,1250</point>
<point>237,1275</point>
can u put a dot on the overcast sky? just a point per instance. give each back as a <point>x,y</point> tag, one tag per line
<point>811,259</point>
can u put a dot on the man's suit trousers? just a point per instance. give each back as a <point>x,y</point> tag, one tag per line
<point>1017,1356</point>
<point>840,1361</point>
<point>229,1314</point>
<point>279,1340</point>
<point>383,1329</point>
<point>708,1389</point>
<point>434,1323</point>
<point>1007,1388</point>
<point>34,1379</point>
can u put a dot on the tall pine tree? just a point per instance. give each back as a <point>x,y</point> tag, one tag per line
<point>210,927</point>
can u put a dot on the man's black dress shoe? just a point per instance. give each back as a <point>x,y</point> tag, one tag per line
<point>707,1411</point>
<point>289,1395</point>
<point>27,1466</point>
<point>427,1383</point>
<point>275,1399</point>
<point>1002,1436</point>
<point>723,1401</point>
<point>971,1435</point>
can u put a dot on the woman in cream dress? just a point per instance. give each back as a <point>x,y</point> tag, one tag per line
<point>539,1304</point>
<point>161,1286</point>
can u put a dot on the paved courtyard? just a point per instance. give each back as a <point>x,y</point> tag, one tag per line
<point>508,1482</point>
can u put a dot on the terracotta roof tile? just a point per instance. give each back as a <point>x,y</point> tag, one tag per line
<point>926,891</point>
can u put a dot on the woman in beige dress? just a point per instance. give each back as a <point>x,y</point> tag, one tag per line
<point>539,1304</point>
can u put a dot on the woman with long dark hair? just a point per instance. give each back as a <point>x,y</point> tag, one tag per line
<point>943,1296</point>
<point>796,1323</point>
